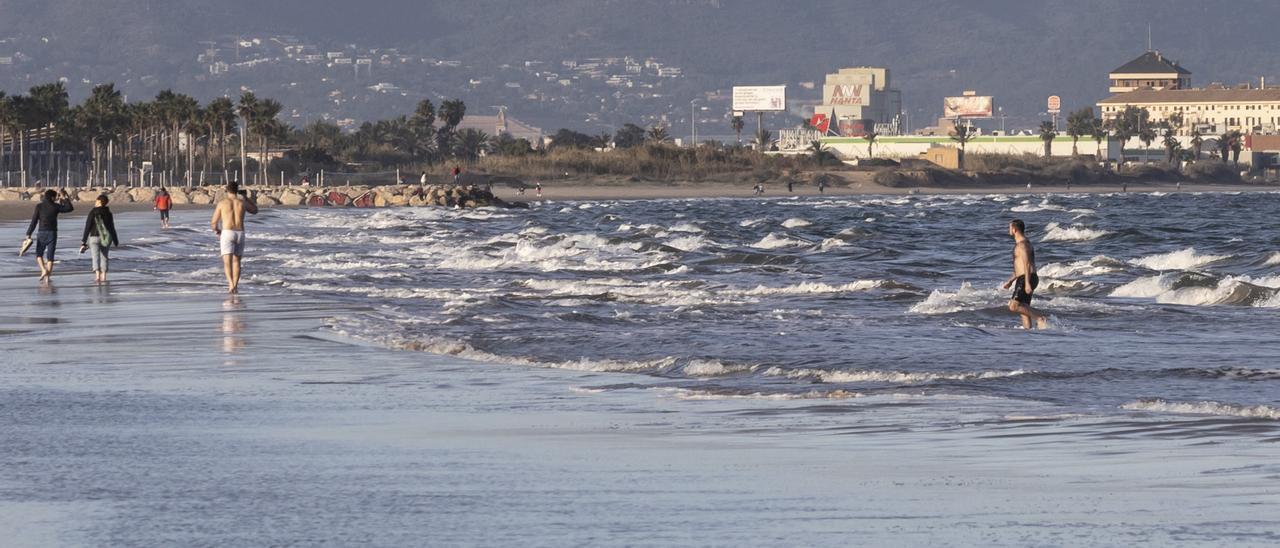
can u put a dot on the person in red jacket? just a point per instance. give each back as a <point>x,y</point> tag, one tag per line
<point>163,204</point>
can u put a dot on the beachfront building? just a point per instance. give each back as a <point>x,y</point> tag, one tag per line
<point>1213,111</point>
<point>494,126</point>
<point>1150,70</point>
<point>853,96</point>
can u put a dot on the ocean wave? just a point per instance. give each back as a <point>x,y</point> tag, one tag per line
<point>1194,289</point>
<point>689,243</point>
<point>965,298</point>
<point>1076,233</point>
<point>1273,259</point>
<point>774,241</point>
<point>1027,207</point>
<point>811,288</point>
<point>1184,259</point>
<point>715,368</point>
<point>1205,408</point>
<point>796,222</point>
<point>1097,266</point>
<point>712,395</point>
<point>894,377</point>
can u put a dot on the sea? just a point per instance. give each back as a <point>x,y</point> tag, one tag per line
<point>778,371</point>
<point>1160,304</point>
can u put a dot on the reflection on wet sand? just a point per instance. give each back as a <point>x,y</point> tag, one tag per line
<point>232,327</point>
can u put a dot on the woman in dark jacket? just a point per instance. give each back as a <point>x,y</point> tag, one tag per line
<point>99,236</point>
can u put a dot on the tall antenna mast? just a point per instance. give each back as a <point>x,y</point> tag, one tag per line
<point>1149,37</point>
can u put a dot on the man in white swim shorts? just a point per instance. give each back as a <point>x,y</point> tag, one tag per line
<point>228,224</point>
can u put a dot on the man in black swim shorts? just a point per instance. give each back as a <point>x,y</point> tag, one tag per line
<point>1024,280</point>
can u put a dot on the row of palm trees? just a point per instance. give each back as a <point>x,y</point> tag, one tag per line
<point>176,135</point>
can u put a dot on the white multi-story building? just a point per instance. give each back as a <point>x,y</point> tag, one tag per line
<point>1212,111</point>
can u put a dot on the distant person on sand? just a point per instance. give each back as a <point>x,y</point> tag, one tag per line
<point>1024,279</point>
<point>423,179</point>
<point>228,224</point>
<point>46,217</point>
<point>163,204</point>
<point>822,185</point>
<point>99,236</point>
<point>537,187</point>
<point>457,173</point>
<point>789,185</point>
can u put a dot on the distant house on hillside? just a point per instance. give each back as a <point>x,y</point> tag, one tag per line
<point>494,126</point>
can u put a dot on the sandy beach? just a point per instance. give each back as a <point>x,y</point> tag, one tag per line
<point>162,412</point>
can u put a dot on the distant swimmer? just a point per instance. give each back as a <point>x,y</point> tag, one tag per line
<point>45,217</point>
<point>228,224</point>
<point>1024,279</point>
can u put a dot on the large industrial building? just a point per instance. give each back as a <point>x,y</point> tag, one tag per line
<point>860,94</point>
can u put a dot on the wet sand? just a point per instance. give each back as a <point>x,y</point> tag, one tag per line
<point>162,412</point>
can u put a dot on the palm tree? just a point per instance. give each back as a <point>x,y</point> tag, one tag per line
<point>737,124</point>
<point>1171,144</point>
<point>818,150</point>
<point>247,108</point>
<point>1098,130</point>
<point>1047,134</point>
<point>763,139</point>
<point>1197,142</point>
<point>220,115</point>
<point>658,134</point>
<point>871,137</point>
<point>103,117</point>
<point>470,144</point>
<point>962,134</point>
<point>1147,135</point>
<point>49,104</point>
<point>1079,124</point>
<point>451,113</point>
<point>266,126</point>
<point>6,117</point>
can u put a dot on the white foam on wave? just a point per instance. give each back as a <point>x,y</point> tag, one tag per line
<point>1183,259</point>
<point>1229,289</point>
<point>774,241</point>
<point>570,252</point>
<point>711,395</point>
<point>1274,259</point>
<point>893,377</point>
<point>796,222</point>
<point>1027,207</point>
<point>964,298</point>
<point>685,227</point>
<point>813,288</point>
<point>1205,408</point>
<point>1077,233</point>
<point>688,243</point>
<point>748,223</point>
<point>715,368</point>
<point>1097,266</point>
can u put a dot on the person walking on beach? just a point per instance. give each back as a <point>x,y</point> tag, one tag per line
<point>457,173</point>
<point>46,218</point>
<point>228,224</point>
<point>99,236</point>
<point>1024,279</point>
<point>537,188</point>
<point>790,184</point>
<point>822,185</point>
<point>163,204</point>
<point>423,179</point>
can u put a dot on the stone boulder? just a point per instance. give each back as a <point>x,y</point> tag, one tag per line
<point>140,194</point>
<point>267,200</point>
<point>87,195</point>
<point>121,196</point>
<point>179,197</point>
<point>291,198</point>
<point>10,195</point>
<point>201,197</point>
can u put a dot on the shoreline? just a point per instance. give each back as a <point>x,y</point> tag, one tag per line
<point>20,210</point>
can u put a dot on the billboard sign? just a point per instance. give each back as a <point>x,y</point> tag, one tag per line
<point>1055,104</point>
<point>968,106</point>
<point>847,94</point>
<point>821,123</point>
<point>760,98</point>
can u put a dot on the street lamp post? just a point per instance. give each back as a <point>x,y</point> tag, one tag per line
<point>693,125</point>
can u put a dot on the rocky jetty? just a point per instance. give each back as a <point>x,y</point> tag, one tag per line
<point>469,196</point>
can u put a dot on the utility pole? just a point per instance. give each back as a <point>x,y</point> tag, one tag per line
<point>243,157</point>
<point>693,125</point>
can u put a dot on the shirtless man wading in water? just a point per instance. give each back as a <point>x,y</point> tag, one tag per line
<point>1024,279</point>
<point>230,215</point>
